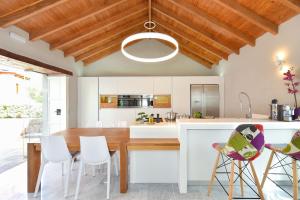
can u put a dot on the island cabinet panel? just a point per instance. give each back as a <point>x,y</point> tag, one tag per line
<point>153,166</point>
<point>162,85</point>
<point>108,85</point>
<point>87,102</point>
<point>135,85</point>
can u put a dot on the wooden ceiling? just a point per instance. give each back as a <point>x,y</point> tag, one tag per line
<point>207,30</point>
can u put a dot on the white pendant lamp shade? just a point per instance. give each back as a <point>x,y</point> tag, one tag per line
<point>149,35</point>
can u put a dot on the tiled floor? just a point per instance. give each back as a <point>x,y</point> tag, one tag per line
<point>10,158</point>
<point>13,187</point>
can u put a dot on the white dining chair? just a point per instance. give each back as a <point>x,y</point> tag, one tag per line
<point>54,150</point>
<point>117,124</point>
<point>94,151</point>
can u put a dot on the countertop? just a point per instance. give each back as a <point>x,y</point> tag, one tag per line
<point>155,125</point>
<point>220,123</point>
<point>231,123</point>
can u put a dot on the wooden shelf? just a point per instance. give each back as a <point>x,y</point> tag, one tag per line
<point>108,101</point>
<point>162,101</point>
<point>153,144</point>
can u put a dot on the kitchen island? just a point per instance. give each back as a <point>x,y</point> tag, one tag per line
<point>197,135</point>
<point>193,163</point>
<point>154,166</point>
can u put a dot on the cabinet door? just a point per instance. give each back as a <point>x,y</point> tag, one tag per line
<point>87,102</point>
<point>112,116</point>
<point>181,95</point>
<point>108,85</point>
<point>135,85</point>
<point>162,85</point>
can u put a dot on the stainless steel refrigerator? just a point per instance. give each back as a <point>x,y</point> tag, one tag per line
<point>205,98</point>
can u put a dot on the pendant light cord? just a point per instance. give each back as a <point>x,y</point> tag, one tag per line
<point>149,14</point>
<point>149,25</point>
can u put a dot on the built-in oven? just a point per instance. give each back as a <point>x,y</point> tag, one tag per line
<point>135,101</point>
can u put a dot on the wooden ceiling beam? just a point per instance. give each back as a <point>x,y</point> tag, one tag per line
<point>107,36</point>
<point>62,24</point>
<point>193,39</point>
<point>109,43</point>
<point>185,51</point>
<point>187,24</point>
<point>249,15</point>
<point>214,21</point>
<point>131,12</point>
<point>103,54</point>
<point>106,52</point>
<point>292,4</point>
<point>196,58</point>
<point>191,45</point>
<point>24,13</point>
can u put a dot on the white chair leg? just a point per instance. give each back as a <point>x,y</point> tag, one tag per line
<point>108,179</point>
<point>78,179</point>
<point>72,164</point>
<point>84,170</point>
<point>62,169</point>
<point>38,182</point>
<point>67,178</point>
<point>94,170</point>
<point>116,164</point>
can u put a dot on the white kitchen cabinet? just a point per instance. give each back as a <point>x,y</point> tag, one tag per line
<point>162,85</point>
<point>87,102</point>
<point>108,85</point>
<point>135,85</point>
<point>113,115</point>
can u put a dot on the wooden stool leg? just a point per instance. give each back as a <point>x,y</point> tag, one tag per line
<point>261,194</point>
<point>295,179</point>
<point>267,169</point>
<point>230,194</point>
<point>213,174</point>
<point>241,178</point>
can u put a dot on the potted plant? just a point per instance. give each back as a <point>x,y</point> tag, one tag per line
<point>292,89</point>
<point>142,117</point>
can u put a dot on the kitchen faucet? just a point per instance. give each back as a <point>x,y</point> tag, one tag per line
<point>249,114</point>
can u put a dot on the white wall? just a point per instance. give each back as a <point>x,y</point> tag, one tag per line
<point>39,50</point>
<point>118,65</point>
<point>254,70</point>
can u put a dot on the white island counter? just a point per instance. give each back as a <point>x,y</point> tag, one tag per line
<point>193,163</point>
<point>197,135</point>
<point>154,166</point>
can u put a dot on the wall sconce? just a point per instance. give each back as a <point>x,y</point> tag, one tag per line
<point>284,69</point>
<point>281,62</point>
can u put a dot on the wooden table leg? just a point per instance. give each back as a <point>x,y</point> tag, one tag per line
<point>33,166</point>
<point>123,168</point>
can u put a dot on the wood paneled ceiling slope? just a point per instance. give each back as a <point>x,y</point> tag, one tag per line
<point>88,30</point>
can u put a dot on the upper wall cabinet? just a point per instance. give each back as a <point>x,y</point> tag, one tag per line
<point>162,85</point>
<point>108,85</point>
<point>135,85</point>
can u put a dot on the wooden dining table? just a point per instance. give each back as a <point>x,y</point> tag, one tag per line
<point>117,139</point>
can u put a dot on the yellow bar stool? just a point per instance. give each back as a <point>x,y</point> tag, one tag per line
<point>244,145</point>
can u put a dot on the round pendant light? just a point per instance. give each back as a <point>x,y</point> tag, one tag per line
<point>149,25</point>
<point>149,35</point>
